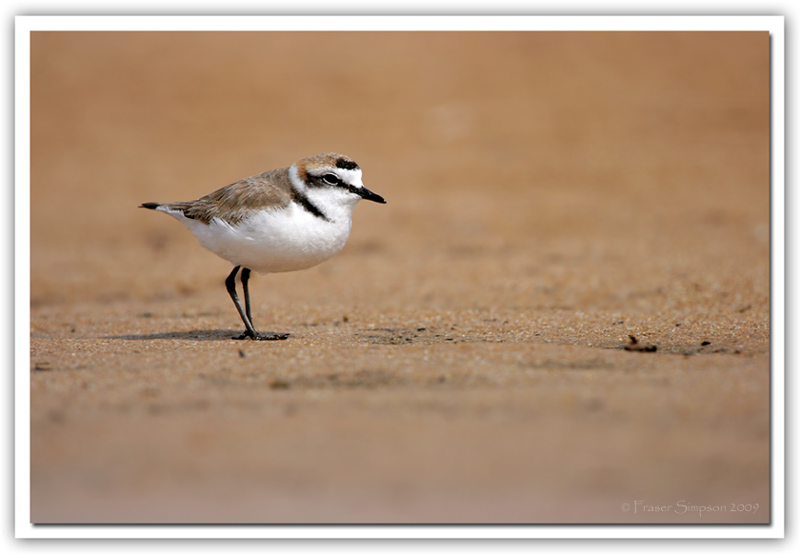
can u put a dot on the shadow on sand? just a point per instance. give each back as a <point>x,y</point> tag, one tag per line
<point>205,334</point>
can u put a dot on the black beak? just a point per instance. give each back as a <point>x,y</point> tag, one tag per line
<point>367,194</point>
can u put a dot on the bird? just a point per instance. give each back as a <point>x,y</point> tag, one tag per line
<point>286,219</point>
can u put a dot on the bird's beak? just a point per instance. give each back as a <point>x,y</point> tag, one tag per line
<point>367,194</point>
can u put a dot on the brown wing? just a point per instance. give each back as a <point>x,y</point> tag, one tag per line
<point>236,201</point>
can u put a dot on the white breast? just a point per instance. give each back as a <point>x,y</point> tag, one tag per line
<point>273,241</point>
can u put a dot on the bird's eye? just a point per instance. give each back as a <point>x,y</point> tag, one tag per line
<point>331,179</point>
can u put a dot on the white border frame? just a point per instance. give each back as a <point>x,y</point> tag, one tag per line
<point>26,24</point>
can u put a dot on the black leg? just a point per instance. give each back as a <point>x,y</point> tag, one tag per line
<point>245,279</point>
<point>244,312</point>
<point>230,284</point>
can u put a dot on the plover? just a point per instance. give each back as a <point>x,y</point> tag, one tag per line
<point>282,220</point>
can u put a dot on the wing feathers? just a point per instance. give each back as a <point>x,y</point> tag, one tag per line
<point>238,200</point>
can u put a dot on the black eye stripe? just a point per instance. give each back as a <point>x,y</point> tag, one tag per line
<point>318,181</point>
<point>325,180</point>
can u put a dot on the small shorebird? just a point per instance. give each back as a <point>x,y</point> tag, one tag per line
<point>282,220</point>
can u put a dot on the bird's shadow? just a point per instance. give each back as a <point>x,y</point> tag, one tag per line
<point>204,334</point>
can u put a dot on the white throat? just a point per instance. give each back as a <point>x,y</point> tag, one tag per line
<point>335,203</point>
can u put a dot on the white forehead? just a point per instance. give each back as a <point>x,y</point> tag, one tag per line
<point>348,176</point>
<point>351,176</point>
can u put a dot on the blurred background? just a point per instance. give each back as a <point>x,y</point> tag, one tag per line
<point>549,194</point>
<point>555,143</point>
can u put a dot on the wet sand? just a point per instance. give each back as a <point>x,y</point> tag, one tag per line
<point>463,359</point>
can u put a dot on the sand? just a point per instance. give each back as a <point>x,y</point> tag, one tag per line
<point>463,359</point>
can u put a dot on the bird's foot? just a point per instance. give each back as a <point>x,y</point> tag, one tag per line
<point>262,336</point>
